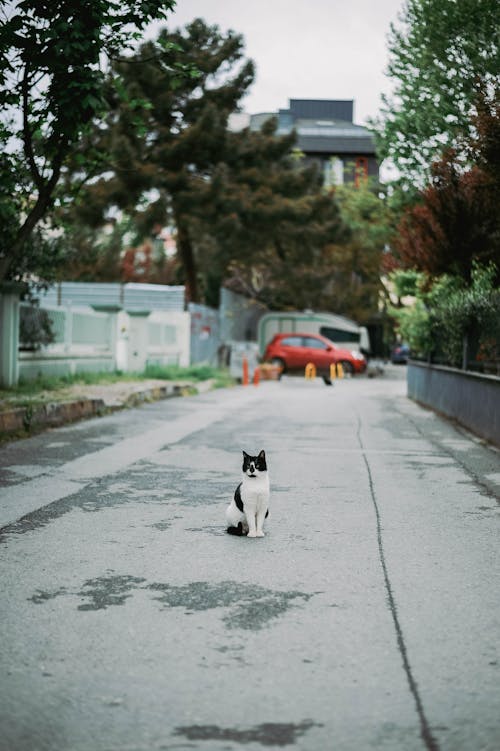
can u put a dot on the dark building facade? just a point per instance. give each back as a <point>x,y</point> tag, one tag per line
<point>327,135</point>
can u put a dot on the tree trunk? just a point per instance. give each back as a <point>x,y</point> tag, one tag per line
<point>24,232</point>
<point>186,253</point>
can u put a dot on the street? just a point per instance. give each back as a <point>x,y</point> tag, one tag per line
<point>367,618</point>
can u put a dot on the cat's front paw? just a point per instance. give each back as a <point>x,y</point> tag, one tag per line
<point>252,534</point>
<point>260,534</point>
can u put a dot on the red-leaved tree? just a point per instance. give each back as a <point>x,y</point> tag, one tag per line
<point>457,220</point>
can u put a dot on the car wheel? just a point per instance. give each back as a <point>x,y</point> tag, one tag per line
<point>280,363</point>
<point>347,367</point>
<point>327,381</point>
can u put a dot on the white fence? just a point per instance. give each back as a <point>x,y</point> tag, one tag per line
<point>105,327</point>
<point>84,340</point>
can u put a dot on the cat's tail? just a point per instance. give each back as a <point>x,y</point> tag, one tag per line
<point>236,530</point>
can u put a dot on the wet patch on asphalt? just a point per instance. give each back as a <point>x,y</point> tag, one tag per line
<point>267,734</point>
<point>106,591</point>
<point>40,596</point>
<point>250,607</point>
<point>50,454</point>
<point>140,485</point>
<point>41,517</point>
<point>92,498</point>
<point>253,607</point>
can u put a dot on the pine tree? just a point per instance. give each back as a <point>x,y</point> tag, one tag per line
<point>166,133</point>
<point>244,209</point>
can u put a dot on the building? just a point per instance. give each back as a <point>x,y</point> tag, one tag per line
<point>326,135</point>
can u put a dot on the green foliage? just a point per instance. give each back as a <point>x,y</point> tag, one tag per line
<point>52,88</point>
<point>471,313</point>
<point>271,221</point>
<point>405,282</point>
<point>245,209</point>
<point>439,51</point>
<point>450,313</point>
<point>35,328</point>
<point>33,392</point>
<point>454,221</point>
<point>196,373</point>
<point>166,133</point>
<point>356,257</point>
<point>414,327</point>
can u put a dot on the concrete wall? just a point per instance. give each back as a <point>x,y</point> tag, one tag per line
<point>472,399</point>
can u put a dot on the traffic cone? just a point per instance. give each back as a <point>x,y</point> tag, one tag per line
<point>245,380</point>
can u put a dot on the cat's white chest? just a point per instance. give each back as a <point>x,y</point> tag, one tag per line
<point>255,492</point>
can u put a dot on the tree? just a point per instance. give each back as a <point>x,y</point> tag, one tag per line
<point>356,283</point>
<point>164,134</point>
<point>438,53</point>
<point>270,220</point>
<point>51,90</point>
<point>456,220</point>
<point>244,209</point>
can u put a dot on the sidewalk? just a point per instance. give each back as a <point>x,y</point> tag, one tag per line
<point>77,402</point>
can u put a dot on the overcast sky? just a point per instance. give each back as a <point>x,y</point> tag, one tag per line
<point>306,49</point>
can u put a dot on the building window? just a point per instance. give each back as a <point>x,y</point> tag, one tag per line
<point>360,170</point>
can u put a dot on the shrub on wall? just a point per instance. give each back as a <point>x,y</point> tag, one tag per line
<point>35,328</point>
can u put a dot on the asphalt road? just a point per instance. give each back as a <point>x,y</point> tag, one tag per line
<point>367,618</point>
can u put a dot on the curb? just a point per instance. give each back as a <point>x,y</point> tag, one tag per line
<point>23,420</point>
<point>50,415</point>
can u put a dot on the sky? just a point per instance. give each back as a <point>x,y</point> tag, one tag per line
<point>306,49</point>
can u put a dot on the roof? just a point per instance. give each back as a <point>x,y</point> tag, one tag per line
<point>327,136</point>
<point>323,126</point>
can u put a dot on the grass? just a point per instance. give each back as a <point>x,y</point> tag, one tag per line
<point>36,391</point>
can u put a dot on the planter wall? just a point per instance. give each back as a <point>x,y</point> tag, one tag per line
<point>472,399</point>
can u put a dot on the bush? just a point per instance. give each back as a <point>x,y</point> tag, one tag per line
<point>35,328</point>
<point>454,322</point>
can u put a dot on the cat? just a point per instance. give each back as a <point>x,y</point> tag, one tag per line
<point>250,506</point>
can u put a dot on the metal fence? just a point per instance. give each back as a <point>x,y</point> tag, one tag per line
<point>205,334</point>
<point>132,296</point>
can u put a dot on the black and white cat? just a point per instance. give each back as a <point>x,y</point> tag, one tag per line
<point>250,506</point>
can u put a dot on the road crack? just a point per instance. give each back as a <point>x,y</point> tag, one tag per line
<point>430,742</point>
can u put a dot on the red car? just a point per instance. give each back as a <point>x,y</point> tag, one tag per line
<point>292,352</point>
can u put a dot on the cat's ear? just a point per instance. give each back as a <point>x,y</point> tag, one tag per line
<point>262,455</point>
<point>247,456</point>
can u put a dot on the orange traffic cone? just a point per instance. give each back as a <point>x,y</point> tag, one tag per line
<point>245,372</point>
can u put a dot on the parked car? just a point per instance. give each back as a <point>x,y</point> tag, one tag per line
<point>400,354</point>
<point>293,351</point>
